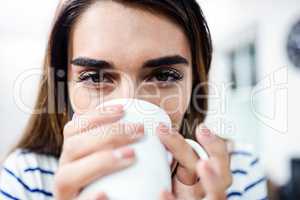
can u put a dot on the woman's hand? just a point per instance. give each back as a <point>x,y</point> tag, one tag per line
<point>214,173</point>
<point>94,149</point>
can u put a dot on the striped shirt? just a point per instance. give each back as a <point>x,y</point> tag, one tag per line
<point>26,175</point>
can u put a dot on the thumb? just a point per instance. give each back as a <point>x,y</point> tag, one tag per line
<point>210,181</point>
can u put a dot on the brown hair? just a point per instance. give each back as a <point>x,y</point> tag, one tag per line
<point>44,131</point>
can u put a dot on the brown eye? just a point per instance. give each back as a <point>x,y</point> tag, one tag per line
<point>95,77</point>
<point>166,75</point>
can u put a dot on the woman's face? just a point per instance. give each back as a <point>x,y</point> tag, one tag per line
<point>125,52</point>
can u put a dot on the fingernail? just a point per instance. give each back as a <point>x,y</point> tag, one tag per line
<point>124,153</point>
<point>204,131</point>
<point>101,196</point>
<point>140,131</point>
<point>163,129</point>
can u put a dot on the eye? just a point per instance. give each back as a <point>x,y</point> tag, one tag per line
<point>95,77</point>
<point>166,75</point>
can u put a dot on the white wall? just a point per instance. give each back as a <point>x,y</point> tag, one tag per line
<point>24,27</point>
<point>232,21</point>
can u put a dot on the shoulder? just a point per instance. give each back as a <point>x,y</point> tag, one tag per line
<point>243,155</point>
<point>25,174</point>
<point>21,158</point>
<point>249,180</point>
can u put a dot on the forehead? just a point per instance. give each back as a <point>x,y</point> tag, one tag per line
<point>118,32</point>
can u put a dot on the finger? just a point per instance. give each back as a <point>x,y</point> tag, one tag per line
<point>182,152</point>
<point>99,196</point>
<point>107,137</point>
<point>183,191</point>
<point>166,195</point>
<point>98,117</point>
<point>217,150</point>
<point>179,148</point>
<point>91,167</point>
<point>211,182</point>
<point>215,146</point>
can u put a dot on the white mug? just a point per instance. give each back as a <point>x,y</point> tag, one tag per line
<point>151,173</point>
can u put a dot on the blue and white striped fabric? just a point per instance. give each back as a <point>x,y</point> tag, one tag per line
<point>249,181</point>
<point>25,175</point>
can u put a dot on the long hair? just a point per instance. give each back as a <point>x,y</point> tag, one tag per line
<point>44,130</point>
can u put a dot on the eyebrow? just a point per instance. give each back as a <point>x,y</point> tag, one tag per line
<point>157,62</point>
<point>89,62</point>
<point>167,60</point>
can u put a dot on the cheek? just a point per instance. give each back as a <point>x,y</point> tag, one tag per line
<point>176,117</point>
<point>176,103</point>
<point>176,108</point>
<point>82,99</point>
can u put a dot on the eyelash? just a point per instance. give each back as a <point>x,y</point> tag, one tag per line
<point>170,72</point>
<point>93,76</point>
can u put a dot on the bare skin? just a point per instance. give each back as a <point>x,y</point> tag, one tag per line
<point>127,38</point>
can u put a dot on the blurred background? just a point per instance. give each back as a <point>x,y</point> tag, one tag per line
<point>254,78</point>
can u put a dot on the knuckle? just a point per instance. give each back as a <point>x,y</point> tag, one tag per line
<point>113,141</point>
<point>61,183</point>
<point>117,141</point>
<point>69,146</point>
<point>179,136</point>
<point>67,128</point>
<point>175,135</point>
<point>121,132</point>
<point>120,137</point>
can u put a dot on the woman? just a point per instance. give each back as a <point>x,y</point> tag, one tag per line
<point>156,50</point>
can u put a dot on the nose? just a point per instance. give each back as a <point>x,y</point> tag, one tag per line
<point>128,88</point>
<point>131,88</point>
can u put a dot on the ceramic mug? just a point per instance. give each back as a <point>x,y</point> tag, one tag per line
<point>151,173</point>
